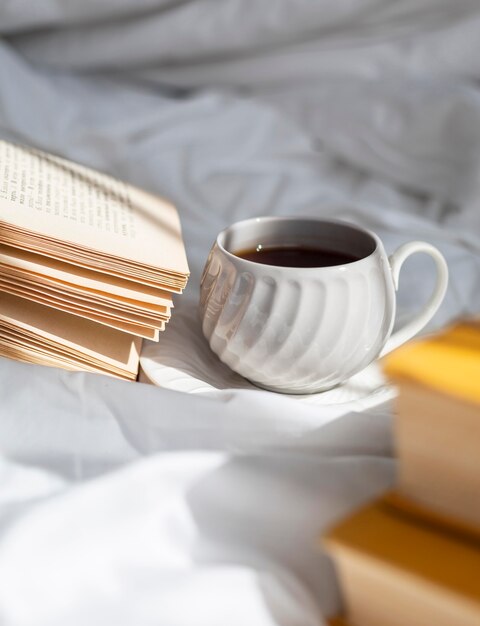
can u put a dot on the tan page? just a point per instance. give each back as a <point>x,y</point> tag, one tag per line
<point>82,277</point>
<point>30,288</point>
<point>41,357</point>
<point>123,325</point>
<point>89,338</point>
<point>67,202</point>
<point>44,284</point>
<point>30,343</point>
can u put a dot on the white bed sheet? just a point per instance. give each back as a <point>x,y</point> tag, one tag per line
<point>134,504</point>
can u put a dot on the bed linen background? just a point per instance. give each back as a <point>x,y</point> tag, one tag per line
<point>131,504</point>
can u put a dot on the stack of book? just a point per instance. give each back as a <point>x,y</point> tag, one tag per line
<point>412,558</point>
<point>88,264</point>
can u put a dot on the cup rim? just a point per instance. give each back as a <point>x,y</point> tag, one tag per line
<point>304,218</point>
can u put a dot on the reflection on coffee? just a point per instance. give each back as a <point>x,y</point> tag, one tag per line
<point>296,256</point>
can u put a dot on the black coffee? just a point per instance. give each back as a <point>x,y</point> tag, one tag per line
<point>296,256</point>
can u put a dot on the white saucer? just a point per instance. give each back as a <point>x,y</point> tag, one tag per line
<point>182,361</point>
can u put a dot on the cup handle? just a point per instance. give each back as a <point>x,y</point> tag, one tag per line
<point>421,319</point>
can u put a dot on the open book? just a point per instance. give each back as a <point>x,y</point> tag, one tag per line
<point>88,264</point>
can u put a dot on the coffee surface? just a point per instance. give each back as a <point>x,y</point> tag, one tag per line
<point>296,256</point>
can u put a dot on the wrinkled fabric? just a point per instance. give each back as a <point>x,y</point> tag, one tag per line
<point>200,499</point>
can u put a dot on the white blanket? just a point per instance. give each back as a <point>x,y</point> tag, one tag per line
<point>201,502</point>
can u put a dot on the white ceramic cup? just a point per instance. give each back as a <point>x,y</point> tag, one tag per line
<point>304,330</point>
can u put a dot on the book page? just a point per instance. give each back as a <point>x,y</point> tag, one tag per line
<point>55,198</point>
<point>111,346</point>
<point>39,353</point>
<point>92,298</point>
<point>123,324</point>
<point>36,264</point>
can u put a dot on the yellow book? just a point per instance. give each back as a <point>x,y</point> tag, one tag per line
<point>448,362</point>
<point>437,425</point>
<point>395,570</point>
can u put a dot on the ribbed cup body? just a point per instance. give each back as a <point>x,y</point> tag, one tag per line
<point>296,330</point>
